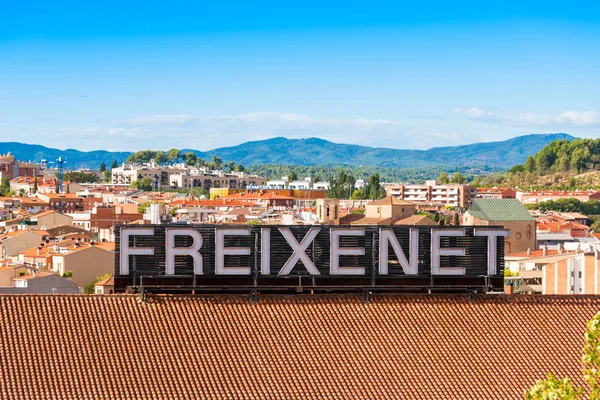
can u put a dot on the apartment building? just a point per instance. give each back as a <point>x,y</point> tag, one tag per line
<point>183,177</point>
<point>11,168</point>
<point>496,193</point>
<point>304,184</point>
<point>64,202</point>
<point>435,194</point>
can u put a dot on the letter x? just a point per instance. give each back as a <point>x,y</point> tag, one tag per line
<point>299,251</point>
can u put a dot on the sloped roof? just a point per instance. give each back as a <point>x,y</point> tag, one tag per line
<point>110,281</point>
<point>305,347</point>
<point>500,210</point>
<point>422,220</point>
<point>389,200</point>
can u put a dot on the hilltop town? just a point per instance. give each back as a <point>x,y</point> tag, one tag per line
<point>58,236</point>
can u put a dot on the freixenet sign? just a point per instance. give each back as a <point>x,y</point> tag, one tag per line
<point>369,256</point>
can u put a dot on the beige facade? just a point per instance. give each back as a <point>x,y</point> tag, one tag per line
<point>50,219</point>
<point>579,274</point>
<point>434,193</point>
<point>183,177</point>
<point>328,211</point>
<point>389,207</point>
<point>87,264</point>
<point>522,233</point>
<point>16,242</point>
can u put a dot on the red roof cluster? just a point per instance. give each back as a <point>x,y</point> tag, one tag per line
<point>314,347</point>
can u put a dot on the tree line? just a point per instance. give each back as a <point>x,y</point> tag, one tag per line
<point>190,159</point>
<point>343,187</point>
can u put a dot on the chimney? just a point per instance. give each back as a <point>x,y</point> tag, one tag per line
<point>528,251</point>
<point>509,289</point>
<point>545,251</point>
<point>39,250</point>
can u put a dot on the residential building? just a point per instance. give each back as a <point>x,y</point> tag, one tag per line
<point>12,243</point>
<point>87,261</point>
<point>11,168</point>
<point>496,193</point>
<point>508,213</point>
<point>25,184</point>
<point>181,176</point>
<point>49,219</point>
<point>434,193</point>
<point>547,195</point>
<point>577,274</point>
<point>64,202</point>
<point>386,211</point>
<point>41,283</point>
<point>105,286</point>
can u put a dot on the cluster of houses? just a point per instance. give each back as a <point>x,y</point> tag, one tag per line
<point>63,242</point>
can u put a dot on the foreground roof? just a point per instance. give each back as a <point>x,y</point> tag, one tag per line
<point>313,347</point>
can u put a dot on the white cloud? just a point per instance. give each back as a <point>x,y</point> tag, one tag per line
<point>566,119</point>
<point>164,131</point>
<point>159,119</point>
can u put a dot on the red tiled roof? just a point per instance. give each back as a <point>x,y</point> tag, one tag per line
<point>314,347</point>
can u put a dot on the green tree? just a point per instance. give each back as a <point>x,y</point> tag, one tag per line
<point>240,168</point>
<point>443,178</point>
<point>456,220</point>
<point>341,187</point>
<point>107,176</point>
<point>555,388</point>
<point>572,182</point>
<point>199,192</point>
<point>459,178</point>
<point>102,167</point>
<point>114,164</point>
<point>4,186</point>
<point>173,155</point>
<point>35,185</point>
<point>216,163</point>
<point>160,157</point>
<point>190,158</point>
<point>144,184</point>
<point>81,177</point>
<point>231,166</point>
<point>143,207</point>
<point>91,287</point>
<point>358,194</point>
<point>293,176</point>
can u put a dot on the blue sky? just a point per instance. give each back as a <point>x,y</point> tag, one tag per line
<point>204,75</point>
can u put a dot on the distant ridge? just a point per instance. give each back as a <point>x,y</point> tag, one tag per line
<point>315,151</point>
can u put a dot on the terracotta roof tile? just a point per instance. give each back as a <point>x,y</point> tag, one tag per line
<point>314,347</point>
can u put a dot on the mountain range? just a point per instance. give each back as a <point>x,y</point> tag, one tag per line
<point>314,151</point>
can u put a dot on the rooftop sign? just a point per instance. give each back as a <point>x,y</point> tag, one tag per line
<point>268,255</point>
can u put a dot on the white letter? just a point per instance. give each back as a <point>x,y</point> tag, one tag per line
<point>387,236</point>
<point>221,251</point>
<point>436,252</point>
<point>265,251</point>
<point>126,233</point>
<point>299,251</point>
<point>337,251</point>
<point>173,251</point>
<point>492,234</point>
